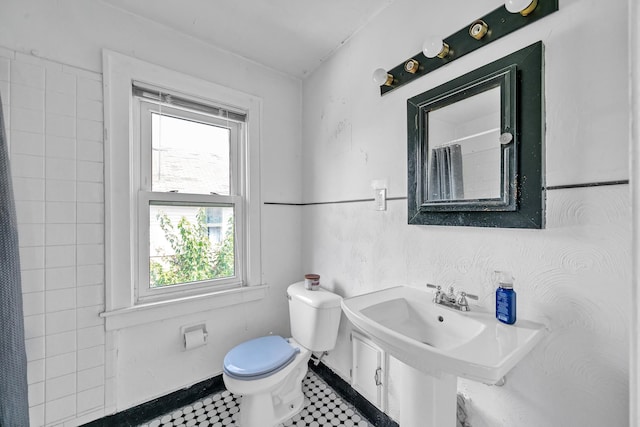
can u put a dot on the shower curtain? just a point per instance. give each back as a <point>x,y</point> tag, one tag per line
<point>14,404</point>
<point>445,173</point>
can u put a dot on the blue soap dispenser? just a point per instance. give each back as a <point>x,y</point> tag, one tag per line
<point>505,298</point>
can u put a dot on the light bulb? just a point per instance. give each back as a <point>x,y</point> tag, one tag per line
<point>434,46</point>
<point>523,7</point>
<point>381,77</point>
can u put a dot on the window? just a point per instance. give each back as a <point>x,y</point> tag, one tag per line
<point>182,196</point>
<point>190,198</point>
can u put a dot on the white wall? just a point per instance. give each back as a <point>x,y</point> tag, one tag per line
<point>575,274</point>
<point>76,373</point>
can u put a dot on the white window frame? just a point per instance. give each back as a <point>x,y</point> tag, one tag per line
<point>122,197</point>
<point>142,111</point>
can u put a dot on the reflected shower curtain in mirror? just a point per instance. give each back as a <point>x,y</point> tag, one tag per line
<point>445,173</point>
<point>14,403</point>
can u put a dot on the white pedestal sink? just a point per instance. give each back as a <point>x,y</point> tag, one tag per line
<point>438,344</point>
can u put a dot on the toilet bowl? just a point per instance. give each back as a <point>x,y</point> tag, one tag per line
<point>268,371</point>
<point>269,399</point>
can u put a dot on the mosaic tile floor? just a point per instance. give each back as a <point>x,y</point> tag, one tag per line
<point>323,408</point>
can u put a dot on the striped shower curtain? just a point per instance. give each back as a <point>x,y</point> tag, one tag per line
<point>14,405</point>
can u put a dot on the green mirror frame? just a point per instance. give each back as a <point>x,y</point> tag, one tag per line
<point>521,203</point>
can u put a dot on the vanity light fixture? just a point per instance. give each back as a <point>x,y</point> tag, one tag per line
<point>511,16</point>
<point>382,78</point>
<point>411,66</point>
<point>435,46</point>
<point>478,29</point>
<point>523,7</point>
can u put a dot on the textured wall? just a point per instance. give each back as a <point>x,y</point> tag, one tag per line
<point>575,275</point>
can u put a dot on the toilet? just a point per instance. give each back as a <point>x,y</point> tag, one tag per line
<point>268,371</point>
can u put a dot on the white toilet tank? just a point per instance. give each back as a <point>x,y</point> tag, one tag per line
<point>314,317</point>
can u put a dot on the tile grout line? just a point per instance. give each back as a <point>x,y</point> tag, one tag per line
<point>75,270</point>
<point>44,267</point>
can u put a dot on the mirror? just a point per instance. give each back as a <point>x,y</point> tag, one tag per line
<point>475,147</point>
<point>464,150</point>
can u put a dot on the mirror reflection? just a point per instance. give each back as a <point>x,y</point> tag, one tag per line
<point>464,150</point>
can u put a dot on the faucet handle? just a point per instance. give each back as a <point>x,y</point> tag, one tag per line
<point>461,300</point>
<point>470,296</point>
<point>437,295</point>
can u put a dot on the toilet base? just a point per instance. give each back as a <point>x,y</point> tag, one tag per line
<point>256,410</point>
<point>271,408</point>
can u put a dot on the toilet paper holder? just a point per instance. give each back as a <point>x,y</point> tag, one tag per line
<point>194,335</point>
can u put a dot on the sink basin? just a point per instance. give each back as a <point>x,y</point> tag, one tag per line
<point>435,339</point>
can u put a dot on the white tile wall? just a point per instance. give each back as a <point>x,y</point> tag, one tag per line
<point>26,142</point>
<point>60,278</point>
<point>34,326</point>
<point>61,321</point>
<point>60,234</point>
<point>61,386</point>
<point>32,281</point>
<point>90,378</point>
<point>27,120</point>
<point>91,399</point>
<point>63,299</point>
<point>31,234</point>
<point>59,147</point>
<point>56,366</point>
<point>53,114</point>
<point>90,213</point>
<point>60,212</point>
<point>90,357</point>
<point>62,343</point>
<point>31,258</point>
<point>60,409</point>
<point>36,394</point>
<point>27,74</point>
<point>33,303</point>
<point>63,103</point>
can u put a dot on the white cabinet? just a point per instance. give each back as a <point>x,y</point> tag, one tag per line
<point>368,370</point>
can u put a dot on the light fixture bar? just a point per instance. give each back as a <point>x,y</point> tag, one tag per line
<point>499,22</point>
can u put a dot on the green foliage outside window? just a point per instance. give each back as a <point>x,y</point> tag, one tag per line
<point>195,257</point>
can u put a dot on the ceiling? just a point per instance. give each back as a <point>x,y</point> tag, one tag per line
<point>292,36</point>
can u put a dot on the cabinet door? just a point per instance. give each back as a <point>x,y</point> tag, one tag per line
<point>368,369</point>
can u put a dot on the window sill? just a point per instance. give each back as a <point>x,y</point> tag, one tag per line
<point>161,310</point>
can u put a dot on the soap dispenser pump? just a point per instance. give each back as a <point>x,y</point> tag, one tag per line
<point>505,298</point>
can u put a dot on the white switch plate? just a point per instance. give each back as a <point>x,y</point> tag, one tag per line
<point>381,199</point>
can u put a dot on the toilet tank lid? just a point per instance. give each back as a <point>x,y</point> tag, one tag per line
<point>317,298</point>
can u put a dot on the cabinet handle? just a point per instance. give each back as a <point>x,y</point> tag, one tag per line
<point>377,378</point>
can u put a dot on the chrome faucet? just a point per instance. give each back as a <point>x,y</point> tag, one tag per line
<point>451,299</point>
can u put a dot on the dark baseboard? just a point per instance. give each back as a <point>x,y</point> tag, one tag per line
<point>147,411</point>
<point>374,415</point>
<point>160,406</point>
